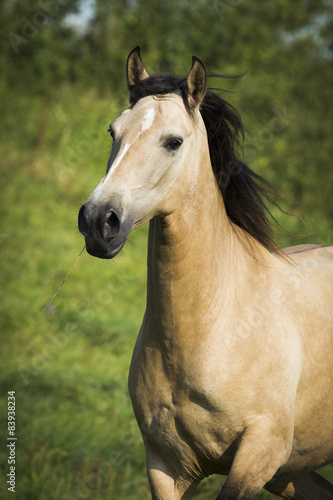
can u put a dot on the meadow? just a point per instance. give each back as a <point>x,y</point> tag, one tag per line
<point>76,434</point>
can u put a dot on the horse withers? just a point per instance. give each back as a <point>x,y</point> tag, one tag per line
<point>232,369</point>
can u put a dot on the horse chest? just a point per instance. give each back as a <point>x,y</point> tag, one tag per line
<point>178,417</point>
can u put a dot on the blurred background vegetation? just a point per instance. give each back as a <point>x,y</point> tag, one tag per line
<point>62,81</point>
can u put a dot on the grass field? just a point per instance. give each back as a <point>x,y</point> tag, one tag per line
<point>76,434</point>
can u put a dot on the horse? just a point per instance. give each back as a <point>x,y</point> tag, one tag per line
<point>232,369</point>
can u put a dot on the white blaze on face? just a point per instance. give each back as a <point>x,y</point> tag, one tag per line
<point>146,123</point>
<point>97,191</point>
<point>120,157</point>
<point>148,119</point>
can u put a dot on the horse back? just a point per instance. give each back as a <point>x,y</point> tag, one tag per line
<point>312,259</point>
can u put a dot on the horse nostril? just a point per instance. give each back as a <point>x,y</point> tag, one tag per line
<point>111,225</point>
<point>83,225</point>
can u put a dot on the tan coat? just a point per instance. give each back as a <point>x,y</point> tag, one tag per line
<point>232,369</point>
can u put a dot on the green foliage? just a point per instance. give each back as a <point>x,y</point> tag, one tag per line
<point>69,365</point>
<point>37,48</point>
<point>77,437</point>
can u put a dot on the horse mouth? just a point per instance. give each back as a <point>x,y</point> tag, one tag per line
<point>104,254</point>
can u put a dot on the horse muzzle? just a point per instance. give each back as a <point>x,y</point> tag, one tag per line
<point>104,229</point>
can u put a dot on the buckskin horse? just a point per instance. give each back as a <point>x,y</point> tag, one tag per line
<point>232,369</point>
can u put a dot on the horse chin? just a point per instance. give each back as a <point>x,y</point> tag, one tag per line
<point>106,253</point>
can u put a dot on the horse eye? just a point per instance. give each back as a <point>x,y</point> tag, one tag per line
<point>173,144</point>
<point>110,131</point>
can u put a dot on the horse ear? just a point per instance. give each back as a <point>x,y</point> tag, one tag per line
<point>196,82</point>
<point>135,69</point>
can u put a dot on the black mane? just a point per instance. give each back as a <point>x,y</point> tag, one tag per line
<point>244,192</point>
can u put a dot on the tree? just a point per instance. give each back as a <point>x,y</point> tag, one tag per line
<point>37,47</point>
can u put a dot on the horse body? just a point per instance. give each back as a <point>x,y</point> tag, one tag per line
<point>233,364</point>
<point>232,368</point>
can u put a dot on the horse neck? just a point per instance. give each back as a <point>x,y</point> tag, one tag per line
<point>195,258</point>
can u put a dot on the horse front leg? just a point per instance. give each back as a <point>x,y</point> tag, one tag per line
<point>301,486</point>
<point>263,448</point>
<point>164,483</point>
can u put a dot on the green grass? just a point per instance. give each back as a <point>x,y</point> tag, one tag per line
<point>77,436</point>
